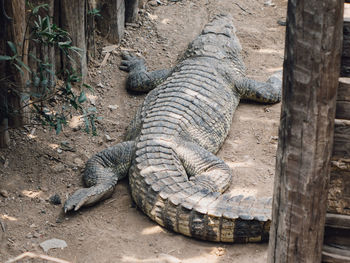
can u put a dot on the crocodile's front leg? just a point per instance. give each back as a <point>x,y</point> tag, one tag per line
<point>139,79</point>
<point>101,174</point>
<point>264,92</point>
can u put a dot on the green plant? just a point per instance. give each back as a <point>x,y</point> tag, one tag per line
<point>52,103</point>
<point>94,12</point>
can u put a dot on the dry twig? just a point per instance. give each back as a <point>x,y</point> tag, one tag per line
<point>34,255</point>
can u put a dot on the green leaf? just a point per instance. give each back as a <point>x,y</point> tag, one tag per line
<point>92,109</point>
<point>12,47</point>
<point>44,83</point>
<point>58,126</point>
<point>74,104</point>
<point>68,87</point>
<point>34,57</point>
<point>82,97</point>
<point>93,126</point>
<point>5,58</point>
<point>37,8</point>
<point>86,121</point>
<point>88,87</point>
<point>19,68</point>
<point>23,65</point>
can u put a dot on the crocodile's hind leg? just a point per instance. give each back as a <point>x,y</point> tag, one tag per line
<point>264,92</point>
<point>101,174</point>
<point>204,168</point>
<point>139,78</point>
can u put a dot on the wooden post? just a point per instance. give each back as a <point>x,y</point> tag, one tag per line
<point>73,20</point>
<point>131,10</point>
<point>111,23</point>
<point>11,100</point>
<point>310,81</point>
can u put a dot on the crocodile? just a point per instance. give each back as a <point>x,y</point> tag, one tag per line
<point>169,151</point>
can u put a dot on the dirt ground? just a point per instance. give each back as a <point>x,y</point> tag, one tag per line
<point>37,166</point>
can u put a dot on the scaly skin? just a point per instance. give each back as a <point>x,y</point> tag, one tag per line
<point>174,176</point>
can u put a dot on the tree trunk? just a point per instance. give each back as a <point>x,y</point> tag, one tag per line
<point>131,10</point>
<point>112,21</point>
<point>90,29</point>
<point>73,20</point>
<point>311,71</point>
<point>12,112</point>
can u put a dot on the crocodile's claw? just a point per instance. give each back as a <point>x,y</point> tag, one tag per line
<point>130,62</point>
<point>87,196</point>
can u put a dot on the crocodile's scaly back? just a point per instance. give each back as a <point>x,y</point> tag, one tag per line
<point>174,175</point>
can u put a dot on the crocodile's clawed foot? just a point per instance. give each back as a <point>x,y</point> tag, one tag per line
<point>130,62</point>
<point>87,196</point>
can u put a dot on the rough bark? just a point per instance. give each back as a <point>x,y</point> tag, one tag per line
<point>337,239</point>
<point>12,86</point>
<point>311,71</point>
<point>131,10</point>
<point>73,20</point>
<point>112,20</point>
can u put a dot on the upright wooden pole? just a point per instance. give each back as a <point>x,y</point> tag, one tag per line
<point>311,71</point>
<point>73,20</point>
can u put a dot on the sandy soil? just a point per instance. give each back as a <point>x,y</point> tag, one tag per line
<point>34,168</point>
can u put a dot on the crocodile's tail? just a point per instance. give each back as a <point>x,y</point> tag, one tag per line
<point>160,187</point>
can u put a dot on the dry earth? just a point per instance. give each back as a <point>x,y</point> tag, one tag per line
<point>34,168</point>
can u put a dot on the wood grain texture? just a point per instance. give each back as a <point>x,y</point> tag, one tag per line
<point>73,20</point>
<point>341,145</point>
<point>131,10</point>
<point>345,61</point>
<point>112,20</point>
<point>311,72</point>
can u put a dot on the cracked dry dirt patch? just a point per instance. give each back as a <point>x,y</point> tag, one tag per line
<point>32,170</point>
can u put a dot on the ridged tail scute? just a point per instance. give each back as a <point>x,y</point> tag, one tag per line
<point>161,188</point>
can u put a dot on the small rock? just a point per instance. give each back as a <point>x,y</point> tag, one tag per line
<point>269,3</point>
<point>55,199</point>
<point>33,225</point>
<point>79,162</point>
<point>92,100</point>
<point>58,168</point>
<point>53,243</point>
<point>113,107</point>
<point>282,22</point>
<point>108,138</point>
<point>36,235</point>
<point>4,193</point>
<point>153,3</point>
<point>221,251</point>
<point>65,146</point>
<point>59,150</point>
<point>29,235</point>
<point>100,85</point>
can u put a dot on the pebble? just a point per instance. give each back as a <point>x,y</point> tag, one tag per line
<point>58,168</point>
<point>153,3</point>
<point>53,243</point>
<point>108,138</point>
<point>113,107</point>
<point>55,199</point>
<point>221,251</point>
<point>36,235</point>
<point>4,193</point>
